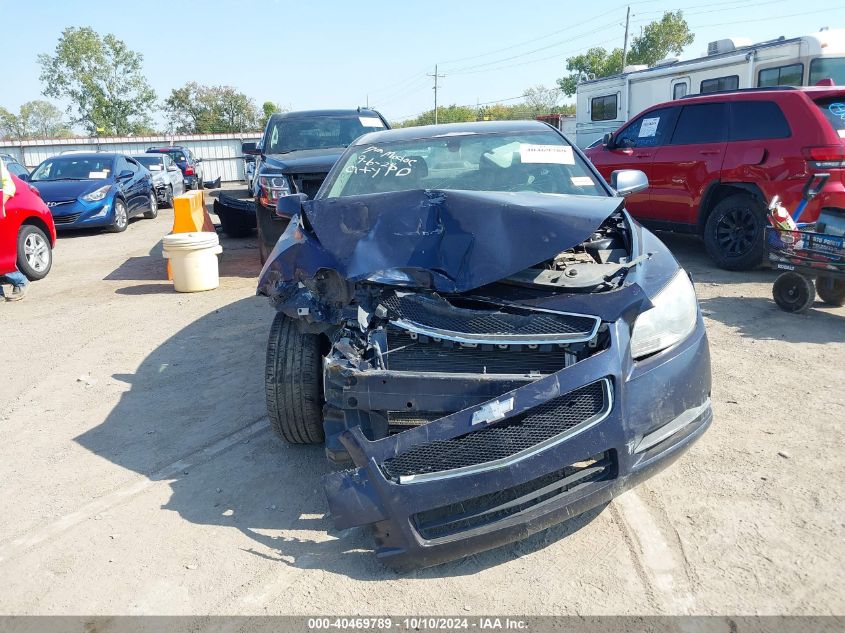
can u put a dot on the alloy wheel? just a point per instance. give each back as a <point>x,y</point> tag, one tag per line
<point>37,252</point>
<point>120,218</point>
<point>737,231</point>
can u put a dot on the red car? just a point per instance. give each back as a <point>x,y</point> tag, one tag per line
<point>27,233</point>
<point>714,161</point>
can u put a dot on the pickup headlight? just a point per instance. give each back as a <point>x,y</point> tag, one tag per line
<point>97,194</point>
<point>271,188</point>
<point>670,321</point>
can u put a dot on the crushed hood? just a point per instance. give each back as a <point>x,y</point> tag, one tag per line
<point>451,241</point>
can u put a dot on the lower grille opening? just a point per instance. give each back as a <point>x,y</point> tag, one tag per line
<point>487,509</point>
<point>66,219</point>
<point>399,421</point>
<point>520,433</point>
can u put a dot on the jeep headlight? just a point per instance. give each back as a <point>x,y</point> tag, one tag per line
<point>670,321</point>
<point>97,194</point>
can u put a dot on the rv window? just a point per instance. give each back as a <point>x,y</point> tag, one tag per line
<point>603,108</point>
<point>720,84</point>
<point>753,120</point>
<point>791,75</point>
<point>827,68</point>
<point>679,90</point>
<point>703,123</point>
<point>650,130</point>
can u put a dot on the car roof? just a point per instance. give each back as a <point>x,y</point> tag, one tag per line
<point>770,92</point>
<point>89,155</point>
<point>453,129</point>
<point>327,113</point>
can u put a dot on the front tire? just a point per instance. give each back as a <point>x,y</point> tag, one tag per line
<point>153,212</point>
<point>293,383</point>
<point>121,217</point>
<point>831,291</point>
<point>35,257</point>
<point>733,234</point>
<point>793,292</point>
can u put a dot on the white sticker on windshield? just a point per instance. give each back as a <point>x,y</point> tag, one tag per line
<point>841,133</point>
<point>370,121</point>
<point>649,127</point>
<point>549,154</point>
<point>98,174</point>
<point>582,181</point>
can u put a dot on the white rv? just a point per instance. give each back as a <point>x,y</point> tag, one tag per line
<point>602,105</point>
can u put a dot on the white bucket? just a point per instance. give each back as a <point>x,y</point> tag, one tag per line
<point>193,259</point>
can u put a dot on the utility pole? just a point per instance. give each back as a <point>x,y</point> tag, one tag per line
<point>625,45</point>
<point>436,77</point>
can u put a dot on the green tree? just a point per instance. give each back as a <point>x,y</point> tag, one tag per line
<point>269,108</point>
<point>37,119</point>
<point>102,79</point>
<point>199,109</point>
<point>669,34</point>
<point>542,100</point>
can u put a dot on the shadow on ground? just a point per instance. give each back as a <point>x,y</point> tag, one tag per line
<point>196,393</point>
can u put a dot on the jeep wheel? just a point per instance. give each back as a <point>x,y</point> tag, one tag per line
<point>831,291</point>
<point>293,383</point>
<point>733,235</point>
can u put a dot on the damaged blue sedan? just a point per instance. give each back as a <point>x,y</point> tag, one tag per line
<point>482,336</point>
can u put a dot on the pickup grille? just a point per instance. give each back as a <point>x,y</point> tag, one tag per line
<point>308,184</point>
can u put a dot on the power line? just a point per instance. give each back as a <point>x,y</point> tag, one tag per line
<point>436,77</point>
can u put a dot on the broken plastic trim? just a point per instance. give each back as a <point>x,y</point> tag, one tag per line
<point>512,459</point>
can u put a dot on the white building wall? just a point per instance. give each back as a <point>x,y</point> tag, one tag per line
<point>221,153</point>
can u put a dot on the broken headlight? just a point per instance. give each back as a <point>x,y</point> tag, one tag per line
<point>670,320</point>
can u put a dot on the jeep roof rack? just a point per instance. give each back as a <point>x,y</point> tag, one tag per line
<point>738,90</point>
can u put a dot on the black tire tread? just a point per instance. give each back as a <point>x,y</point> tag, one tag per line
<point>831,291</point>
<point>783,282</point>
<point>21,262</point>
<point>293,383</point>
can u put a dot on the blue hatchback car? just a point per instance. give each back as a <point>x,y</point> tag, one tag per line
<point>95,190</point>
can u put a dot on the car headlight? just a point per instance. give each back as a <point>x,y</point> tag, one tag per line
<point>670,321</point>
<point>271,188</point>
<point>97,194</point>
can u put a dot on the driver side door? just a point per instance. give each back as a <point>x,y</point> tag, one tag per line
<point>634,147</point>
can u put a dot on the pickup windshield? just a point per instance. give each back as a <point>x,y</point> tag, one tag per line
<point>288,134</point>
<point>541,162</point>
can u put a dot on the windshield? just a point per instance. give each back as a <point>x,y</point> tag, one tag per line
<point>827,68</point>
<point>542,162</point>
<point>74,168</point>
<point>834,112</point>
<point>291,134</point>
<point>153,163</point>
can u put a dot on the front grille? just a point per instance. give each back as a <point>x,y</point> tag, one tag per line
<point>308,183</point>
<point>408,354</point>
<point>496,506</point>
<point>66,219</point>
<point>518,434</point>
<point>439,318</point>
<point>401,420</point>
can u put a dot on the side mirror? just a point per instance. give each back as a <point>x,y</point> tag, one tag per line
<point>197,160</point>
<point>288,206</point>
<point>125,174</point>
<point>24,177</point>
<point>250,149</point>
<point>628,181</point>
<point>607,140</point>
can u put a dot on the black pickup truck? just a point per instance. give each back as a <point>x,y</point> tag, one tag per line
<point>294,155</point>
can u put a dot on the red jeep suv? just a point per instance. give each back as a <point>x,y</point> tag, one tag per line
<point>714,161</point>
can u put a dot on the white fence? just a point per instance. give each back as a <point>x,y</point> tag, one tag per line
<point>220,153</point>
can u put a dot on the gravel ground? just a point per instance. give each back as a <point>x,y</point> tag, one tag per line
<point>140,475</point>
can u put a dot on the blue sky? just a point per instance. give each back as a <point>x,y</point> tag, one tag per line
<point>333,53</point>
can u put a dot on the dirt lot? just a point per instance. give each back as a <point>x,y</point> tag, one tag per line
<point>139,474</point>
